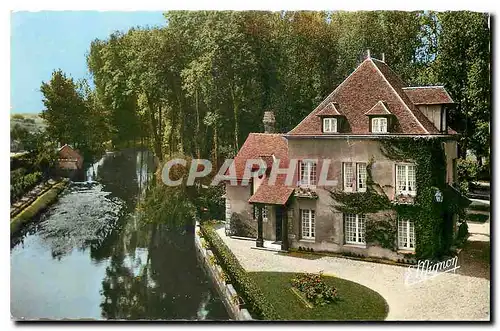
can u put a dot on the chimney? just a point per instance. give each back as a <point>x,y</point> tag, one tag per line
<point>383,57</point>
<point>269,121</point>
<point>368,53</point>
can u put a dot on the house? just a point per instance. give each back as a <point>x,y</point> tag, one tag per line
<point>69,158</point>
<point>342,140</point>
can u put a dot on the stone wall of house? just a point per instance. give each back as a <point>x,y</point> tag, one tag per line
<point>238,196</point>
<point>238,199</point>
<point>329,232</point>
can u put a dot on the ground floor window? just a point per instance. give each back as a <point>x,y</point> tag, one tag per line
<point>406,234</point>
<point>228,210</point>
<point>256,213</point>
<point>308,223</point>
<point>354,229</point>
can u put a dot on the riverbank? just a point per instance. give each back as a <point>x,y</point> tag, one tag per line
<point>45,199</point>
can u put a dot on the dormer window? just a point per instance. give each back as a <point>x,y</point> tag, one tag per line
<point>329,125</point>
<point>379,125</point>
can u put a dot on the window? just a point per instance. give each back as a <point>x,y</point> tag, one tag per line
<point>379,125</point>
<point>256,213</point>
<point>354,229</point>
<point>348,177</point>
<point>405,179</point>
<point>329,125</point>
<point>307,173</point>
<point>406,234</point>
<point>308,218</point>
<point>361,177</point>
<point>228,210</point>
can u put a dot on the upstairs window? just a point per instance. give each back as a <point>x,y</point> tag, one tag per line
<point>348,177</point>
<point>405,179</point>
<point>307,173</point>
<point>361,177</point>
<point>329,125</point>
<point>379,125</point>
<point>354,176</point>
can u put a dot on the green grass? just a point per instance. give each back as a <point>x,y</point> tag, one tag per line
<point>40,204</point>
<point>479,218</point>
<point>357,302</point>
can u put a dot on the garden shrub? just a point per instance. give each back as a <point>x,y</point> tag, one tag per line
<point>467,171</point>
<point>462,234</point>
<point>21,183</point>
<point>315,289</point>
<point>255,301</point>
<point>241,228</point>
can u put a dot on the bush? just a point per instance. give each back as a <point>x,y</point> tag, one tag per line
<point>241,228</point>
<point>315,289</point>
<point>21,183</point>
<point>255,300</point>
<point>467,171</point>
<point>462,234</point>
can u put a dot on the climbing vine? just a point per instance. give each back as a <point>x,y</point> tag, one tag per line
<point>433,220</point>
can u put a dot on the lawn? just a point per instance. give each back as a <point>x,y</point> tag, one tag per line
<point>357,302</point>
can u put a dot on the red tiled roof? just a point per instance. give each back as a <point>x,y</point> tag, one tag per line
<point>378,109</point>
<point>428,95</point>
<point>261,145</point>
<point>276,194</point>
<point>371,82</point>
<point>329,110</point>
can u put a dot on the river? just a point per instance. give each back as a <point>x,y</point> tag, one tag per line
<point>90,257</point>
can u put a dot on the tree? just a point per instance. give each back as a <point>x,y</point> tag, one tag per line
<point>463,66</point>
<point>64,110</point>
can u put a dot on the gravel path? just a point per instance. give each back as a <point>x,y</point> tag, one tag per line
<point>446,297</point>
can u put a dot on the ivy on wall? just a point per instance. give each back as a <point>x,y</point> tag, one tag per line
<point>433,220</point>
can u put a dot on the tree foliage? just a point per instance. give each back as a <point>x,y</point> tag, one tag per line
<point>200,84</point>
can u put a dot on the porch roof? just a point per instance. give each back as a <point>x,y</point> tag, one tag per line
<point>277,194</point>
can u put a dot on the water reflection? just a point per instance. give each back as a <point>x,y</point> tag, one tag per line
<point>89,256</point>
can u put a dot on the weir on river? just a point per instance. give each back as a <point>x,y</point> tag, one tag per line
<point>90,257</point>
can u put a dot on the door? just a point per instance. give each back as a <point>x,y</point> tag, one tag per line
<point>279,221</point>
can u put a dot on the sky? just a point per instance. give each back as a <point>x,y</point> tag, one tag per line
<point>47,40</point>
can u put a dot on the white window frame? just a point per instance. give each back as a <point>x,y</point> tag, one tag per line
<point>353,180</point>
<point>329,123</point>
<point>308,217</point>
<point>228,210</point>
<point>406,231</point>
<point>256,213</point>
<point>379,125</point>
<point>307,173</point>
<point>358,226</point>
<point>407,179</point>
<point>361,179</point>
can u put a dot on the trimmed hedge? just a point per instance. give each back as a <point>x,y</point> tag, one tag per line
<point>245,285</point>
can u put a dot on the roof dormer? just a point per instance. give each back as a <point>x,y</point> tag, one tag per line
<point>332,120</point>
<point>380,118</point>
<point>433,102</point>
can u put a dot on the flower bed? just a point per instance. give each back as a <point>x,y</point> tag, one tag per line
<point>315,290</point>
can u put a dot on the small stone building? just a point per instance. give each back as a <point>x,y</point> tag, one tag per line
<point>69,158</point>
